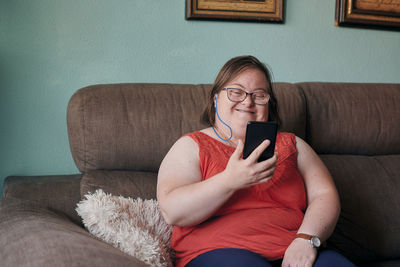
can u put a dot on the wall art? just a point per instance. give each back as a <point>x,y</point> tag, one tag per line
<point>249,10</point>
<point>378,13</point>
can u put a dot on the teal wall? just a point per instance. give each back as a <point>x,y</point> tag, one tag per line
<point>50,48</point>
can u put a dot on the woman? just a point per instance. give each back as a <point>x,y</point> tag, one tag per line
<point>230,211</point>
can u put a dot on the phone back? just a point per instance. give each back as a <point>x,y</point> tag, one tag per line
<point>256,133</point>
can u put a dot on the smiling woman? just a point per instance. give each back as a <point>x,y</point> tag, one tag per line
<point>227,209</point>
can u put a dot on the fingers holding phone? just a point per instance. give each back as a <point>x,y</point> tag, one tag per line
<point>258,151</point>
<point>253,163</point>
<point>260,146</point>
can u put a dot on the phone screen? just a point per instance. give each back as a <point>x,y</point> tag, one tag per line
<point>256,133</point>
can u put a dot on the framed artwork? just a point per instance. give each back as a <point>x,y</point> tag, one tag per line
<point>249,10</point>
<point>380,13</point>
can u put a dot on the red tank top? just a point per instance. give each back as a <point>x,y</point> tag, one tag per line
<point>263,218</point>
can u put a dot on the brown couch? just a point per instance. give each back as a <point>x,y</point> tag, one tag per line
<point>119,134</point>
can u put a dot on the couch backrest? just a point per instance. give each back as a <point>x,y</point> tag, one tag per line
<point>119,133</point>
<point>132,126</point>
<point>353,118</point>
<point>129,126</point>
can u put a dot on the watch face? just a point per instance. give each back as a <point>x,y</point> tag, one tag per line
<point>315,242</point>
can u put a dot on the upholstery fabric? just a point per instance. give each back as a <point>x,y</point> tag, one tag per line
<point>120,183</point>
<point>351,118</point>
<point>57,192</point>
<point>46,238</point>
<point>292,108</point>
<point>393,263</point>
<point>368,228</point>
<point>131,126</point>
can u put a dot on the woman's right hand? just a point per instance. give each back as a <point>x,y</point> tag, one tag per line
<point>242,173</point>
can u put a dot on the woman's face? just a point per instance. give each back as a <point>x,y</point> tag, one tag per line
<point>237,114</point>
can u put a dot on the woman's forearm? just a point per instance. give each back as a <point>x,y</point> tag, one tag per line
<point>321,216</point>
<point>323,200</point>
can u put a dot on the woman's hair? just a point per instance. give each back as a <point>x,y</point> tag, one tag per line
<point>228,72</point>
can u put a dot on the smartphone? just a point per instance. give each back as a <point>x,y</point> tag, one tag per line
<point>256,133</point>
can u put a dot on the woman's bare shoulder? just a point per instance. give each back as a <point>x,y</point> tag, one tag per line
<point>180,166</point>
<point>301,144</point>
<point>183,147</point>
<point>183,157</point>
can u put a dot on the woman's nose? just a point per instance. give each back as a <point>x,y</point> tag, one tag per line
<point>248,101</point>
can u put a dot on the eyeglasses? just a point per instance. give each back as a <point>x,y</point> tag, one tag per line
<point>239,95</point>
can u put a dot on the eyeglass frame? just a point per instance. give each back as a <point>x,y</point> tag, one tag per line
<point>247,93</point>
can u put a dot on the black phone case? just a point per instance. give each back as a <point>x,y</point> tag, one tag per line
<point>256,133</point>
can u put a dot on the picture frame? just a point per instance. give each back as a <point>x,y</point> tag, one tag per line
<point>245,10</point>
<point>368,13</point>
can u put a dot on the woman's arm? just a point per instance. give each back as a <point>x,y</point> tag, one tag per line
<point>323,207</point>
<point>186,200</point>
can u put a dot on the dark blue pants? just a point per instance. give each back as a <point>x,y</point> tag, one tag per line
<point>233,257</point>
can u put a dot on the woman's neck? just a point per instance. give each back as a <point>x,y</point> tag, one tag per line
<point>224,136</point>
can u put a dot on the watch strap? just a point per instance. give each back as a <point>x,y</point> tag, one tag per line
<point>314,240</point>
<point>304,236</point>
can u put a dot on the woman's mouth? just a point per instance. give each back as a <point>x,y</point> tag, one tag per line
<point>245,111</point>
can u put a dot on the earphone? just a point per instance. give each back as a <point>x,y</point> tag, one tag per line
<point>219,118</point>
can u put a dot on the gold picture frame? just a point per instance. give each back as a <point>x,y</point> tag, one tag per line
<point>376,13</point>
<point>248,10</point>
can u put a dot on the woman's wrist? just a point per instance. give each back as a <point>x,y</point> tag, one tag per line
<point>313,240</point>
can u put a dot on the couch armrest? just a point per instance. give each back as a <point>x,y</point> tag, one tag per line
<point>58,192</point>
<point>32,235</point>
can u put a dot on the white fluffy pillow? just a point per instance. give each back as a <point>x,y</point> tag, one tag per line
<point>135,226</point>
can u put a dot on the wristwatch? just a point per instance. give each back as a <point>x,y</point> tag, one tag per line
<point>314,240</point>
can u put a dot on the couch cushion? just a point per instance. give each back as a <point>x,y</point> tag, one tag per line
<point>35,236</point>
<point>57,192</point>
<point>390,263</point>
<point>132,126</point>
<point>120,183</point>
<point>369,225</point>
<point>353,118</point>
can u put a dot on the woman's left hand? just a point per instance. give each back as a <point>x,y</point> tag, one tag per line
<point>299,253</point>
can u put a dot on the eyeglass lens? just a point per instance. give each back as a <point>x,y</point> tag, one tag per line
<point>239,95</point>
